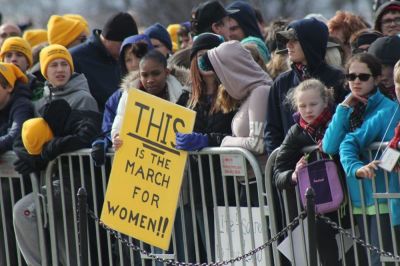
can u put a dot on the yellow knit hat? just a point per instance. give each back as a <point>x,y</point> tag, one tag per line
<point>173,33</point>
<point>16,44</point>
<point>35,133</point>
<point>62,30</point>
<point>80,19</point>
<point>12,73</point>
<point>52,52</point>
<point>35,37</point>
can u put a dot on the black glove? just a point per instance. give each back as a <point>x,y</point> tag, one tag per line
<point>98,154</point>
<point>23,167</point>
<point>30,164</point>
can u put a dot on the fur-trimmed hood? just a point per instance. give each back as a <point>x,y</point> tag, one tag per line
<point>181,74</point>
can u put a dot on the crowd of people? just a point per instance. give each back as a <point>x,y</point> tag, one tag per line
<point>253,84</point>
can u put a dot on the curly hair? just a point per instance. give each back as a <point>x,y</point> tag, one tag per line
<point>348,23</point>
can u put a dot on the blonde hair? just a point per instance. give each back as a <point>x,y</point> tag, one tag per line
<point>225,103</point>
<point>277,65</point>
<point>315,84</point>
<point>252,48</point>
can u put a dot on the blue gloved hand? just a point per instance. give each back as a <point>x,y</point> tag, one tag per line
<point>191,142</point>
<point>98,154</point>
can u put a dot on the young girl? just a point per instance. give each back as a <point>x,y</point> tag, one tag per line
<point>363,74</point>
<point>312,101</point>
<point>154,79</point>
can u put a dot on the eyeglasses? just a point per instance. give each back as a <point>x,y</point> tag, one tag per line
<point>361,76</point>
<point>387,22</point>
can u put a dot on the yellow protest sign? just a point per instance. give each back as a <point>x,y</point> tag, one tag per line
<point>146,176</point>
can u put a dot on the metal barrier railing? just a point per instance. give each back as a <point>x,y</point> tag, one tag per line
<point>220,214</point>
<point>12,188</point>
<point>356,257</point>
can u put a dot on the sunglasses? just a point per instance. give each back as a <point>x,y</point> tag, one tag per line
<point>361,76</point>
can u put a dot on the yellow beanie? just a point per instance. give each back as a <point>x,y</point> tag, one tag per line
<point>173,33</point>
<point>80,19</point>
<point>12,73</point>
<point>63,31</point>
<point>35,37</point>
<point>16,44</point>
<point>35,133</point>
<point>52,52</point>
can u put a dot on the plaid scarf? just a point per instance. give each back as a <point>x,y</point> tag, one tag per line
<point>317,128</point>
<point>357,116</point>
<point>303,71</point>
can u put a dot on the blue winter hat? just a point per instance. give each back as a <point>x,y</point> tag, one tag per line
<point>135,39</point>
<point>159,32</point>
<point>261,47</point>
<point>246,18</point>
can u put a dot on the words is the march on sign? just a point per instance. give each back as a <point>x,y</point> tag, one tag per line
<point>142,193</point>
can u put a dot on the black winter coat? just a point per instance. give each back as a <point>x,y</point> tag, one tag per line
<point>15,113</point>
<point>101,70</point>
<point>78,132</point>
<point>216,127</point>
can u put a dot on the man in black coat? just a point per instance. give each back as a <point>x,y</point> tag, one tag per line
<point>60,130</point>
<point>97,58</point>
<point>305,42</point>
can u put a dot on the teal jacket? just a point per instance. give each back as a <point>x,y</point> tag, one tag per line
<point>354,155</point>
<point>340,124</point>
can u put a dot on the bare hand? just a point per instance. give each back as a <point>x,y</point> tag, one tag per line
<point>368,171</point>
<point>300,164</point>
<point>353,99</point>
<point>117,142</point>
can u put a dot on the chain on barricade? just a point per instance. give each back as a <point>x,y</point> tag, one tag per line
<point>126,242</point>
<point>357,240</point>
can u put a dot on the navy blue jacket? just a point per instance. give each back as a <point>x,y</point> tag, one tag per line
<point>279,113</point>
<point>15,113</point>
<point>100,68</point>
<point>110,112</point>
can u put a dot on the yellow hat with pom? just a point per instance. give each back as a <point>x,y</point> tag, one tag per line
<point>35,133</point>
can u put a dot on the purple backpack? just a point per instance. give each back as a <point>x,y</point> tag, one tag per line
<point>323,176</point>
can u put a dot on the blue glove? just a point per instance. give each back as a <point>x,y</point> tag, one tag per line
<point>191,142</point>
<point>98,154</point>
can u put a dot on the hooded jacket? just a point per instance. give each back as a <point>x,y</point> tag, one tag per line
<point>75,92</point>
<point>102,71</point>
<point>244,80</point>
<point>279,114</point>
<point>246,18</point>
<point>132,81</point>
<point>14,114</point>
<point>381,10</point>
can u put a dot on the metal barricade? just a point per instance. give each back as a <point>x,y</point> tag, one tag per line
<point>222,211</point>
<point>356,254</point>
<point>12,188</point>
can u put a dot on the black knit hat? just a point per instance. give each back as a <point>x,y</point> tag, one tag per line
<point>386,49</point>
<point>119,26</point>
<point>205,41</point>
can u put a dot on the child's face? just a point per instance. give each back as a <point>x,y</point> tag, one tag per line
<point>58,72</point>
<point>4,96</point>
<point>131,62</point>
<point>310,104</point>
<point>153,76</point>
<point>357,86</point>
<point>18,59</point>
